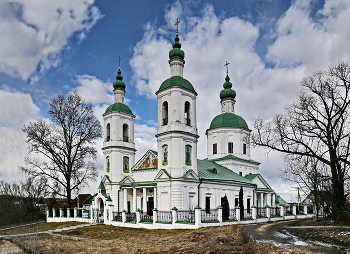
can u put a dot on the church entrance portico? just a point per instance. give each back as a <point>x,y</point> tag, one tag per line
<point>143,198</point>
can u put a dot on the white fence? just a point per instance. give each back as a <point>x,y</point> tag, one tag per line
<point>175,218</point>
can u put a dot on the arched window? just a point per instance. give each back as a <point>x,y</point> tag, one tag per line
<point>187,113</point>
<point>126,164</point>
<point>108,132</point>
<point>125,132</point>
<point>107,164</point>
<point>188,155</point>
<point>165,154</point>
<point>165,114</point>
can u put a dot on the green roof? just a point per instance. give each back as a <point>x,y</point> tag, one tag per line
<point>279,200</point>
<point>205,172</point>
<point>119,107</point>
<point>230,156</point>
<point>251,176</point>
<point>102,186</point>
<point>228,120</point>
<point>176,81</point>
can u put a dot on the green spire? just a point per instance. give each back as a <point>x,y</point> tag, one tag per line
<point>176,51</point>
<point>227,93</point>
<point>119,83</point>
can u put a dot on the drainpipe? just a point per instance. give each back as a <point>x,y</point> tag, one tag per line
<point>255,195</point>
<point>120,188</point>
<point>200,182</point>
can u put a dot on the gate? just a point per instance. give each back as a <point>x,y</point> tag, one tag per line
<point>97,215</point>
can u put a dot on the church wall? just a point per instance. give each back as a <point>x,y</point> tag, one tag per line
<point>239,166</point>
<point>221,137</point>
<point>176,99</point>
<point>216,191</point>
<point>144,175</point>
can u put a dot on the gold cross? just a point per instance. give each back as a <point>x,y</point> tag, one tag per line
<point>226,64</point>
<point>177,25</point>
<point>119,62</point>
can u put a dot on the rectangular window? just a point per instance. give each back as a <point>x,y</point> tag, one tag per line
<point>236,202</point>
<point>230,147</point>
<point>244,148</point>
<point>207,204</point>
<point>215,148</point>
<point>248,205</point>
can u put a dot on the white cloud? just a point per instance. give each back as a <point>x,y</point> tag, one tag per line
<point>13,149</point>
<point>34,32</point>
<point>93,90</point>
<point>15,110</point>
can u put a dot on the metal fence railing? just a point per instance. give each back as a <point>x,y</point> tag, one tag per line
<point>275,211</point>
<point>211,215</point>
<point>247,214</point>
<point>117,216</point>
<point>130,217</point>
<point>186,216</point>
<point>231,215</point>
<point>164,216</point>
<point>144,217</point>
<point>261,212</point>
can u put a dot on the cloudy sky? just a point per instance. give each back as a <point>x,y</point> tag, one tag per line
<point>51,48</point>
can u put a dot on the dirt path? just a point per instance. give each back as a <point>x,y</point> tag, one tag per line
<point>277,233</point>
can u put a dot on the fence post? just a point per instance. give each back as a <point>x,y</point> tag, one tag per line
<point>61,212</point>
<point>47,213</point>
<point>238,213</point>
<point>75,212</point>
<point>282,211</point>
<point>268,211</point>
<point>305,209</point>
<point>174,214</point>
<point>138,217</point>
<point>68,212</point>
<point>155,214</point>
<point>111,210</point>
<point>294,210</point>
<point>123,216</point>
<point>254,212</point>
<point>220,219</point>
<point>197,216</point>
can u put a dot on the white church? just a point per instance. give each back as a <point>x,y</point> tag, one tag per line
<point>173,177</point>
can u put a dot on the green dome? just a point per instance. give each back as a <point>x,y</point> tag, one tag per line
<point>119,107</point>
<point>228,120</point>
<point>176,51</point>
<point>176,81</point>
<point>119,83</point>
<point>227,93</point>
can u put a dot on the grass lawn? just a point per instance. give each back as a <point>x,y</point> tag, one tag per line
<point>112,239</point>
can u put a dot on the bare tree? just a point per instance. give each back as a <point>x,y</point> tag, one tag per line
<point>312,177</point>
<point>63,151</point>
<point>316,125</point>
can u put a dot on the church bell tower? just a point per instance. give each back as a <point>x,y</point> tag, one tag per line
<point>177,124</point>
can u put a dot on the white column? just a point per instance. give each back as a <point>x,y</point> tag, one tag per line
<point>134,200</point>
<point>125,207</point>
<point>155,197</point>
<point>144,200</point>
<point>268,199</point>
